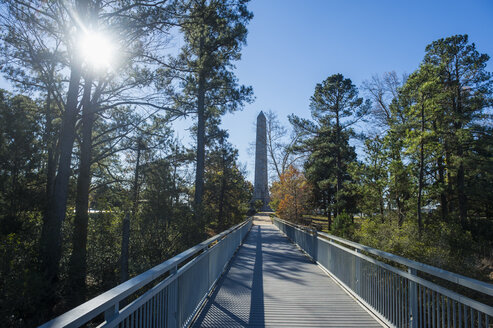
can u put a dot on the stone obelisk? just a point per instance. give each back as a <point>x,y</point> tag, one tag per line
<point>261,184</point>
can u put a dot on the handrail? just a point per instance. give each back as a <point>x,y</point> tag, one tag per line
<point>397,297</point>
<point>108,302</point>
<point>477,285</point>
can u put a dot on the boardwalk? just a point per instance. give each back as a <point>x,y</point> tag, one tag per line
<point>272,284</point>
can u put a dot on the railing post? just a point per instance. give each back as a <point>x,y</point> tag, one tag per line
<point>172,302</point>
<point>315,244</point>
<point>358,273</point>
<point>413,300</point>
<point>111,312</point>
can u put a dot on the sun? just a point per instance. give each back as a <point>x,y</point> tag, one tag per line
<point>97,50</point>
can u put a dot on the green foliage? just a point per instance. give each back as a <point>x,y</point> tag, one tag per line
<point>103,249</point>
<point>335,107</point>
<point>372,178</point>
<point>422,188</point>
<point>214,32</point>
<point>21,156</point>
<point>343,225</point>
<point>163,224</point>
<point>227,193</point>
<point>22,286</point>
<point>443,245</point>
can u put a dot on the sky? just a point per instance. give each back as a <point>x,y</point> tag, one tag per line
<point>295,44</point>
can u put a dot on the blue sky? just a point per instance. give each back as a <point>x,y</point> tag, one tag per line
<point>294,44</point>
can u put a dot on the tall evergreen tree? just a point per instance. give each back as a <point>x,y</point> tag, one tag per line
<point>418,98</point>
<point>335,107</point>
<point>465,88</point>
<point>214,32</point>
<point>227,193</point>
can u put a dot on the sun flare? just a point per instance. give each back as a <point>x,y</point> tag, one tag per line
<point>97,50</point>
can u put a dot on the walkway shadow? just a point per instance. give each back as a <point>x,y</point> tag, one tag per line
<point>257,315</point>
<point>249,279</point>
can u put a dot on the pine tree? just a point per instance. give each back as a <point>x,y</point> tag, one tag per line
<point>465,93</point>
<point>214,31</point>
<point>335,107</point>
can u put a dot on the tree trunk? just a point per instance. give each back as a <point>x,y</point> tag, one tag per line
<point>449,187</point>
<point>382,218</point>
<point>222,193</point>
<point>339,164</point>
<point>125,247</point>
<point>399,197</point>
<point>421,171</point>
<point>78,260</point>
<point>126,221</point>
<point>199,174</point>
<point>329,214</point>
<point>51,146</point>
<point>51,236</point>
<point>443,195</point>
<point>462,197</point>
<point>51,239</point>
<point>400,211</point>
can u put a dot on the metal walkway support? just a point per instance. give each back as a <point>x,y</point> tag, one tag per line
<point>399,298</point>
<point>271,283</point>
<point>167,295</point>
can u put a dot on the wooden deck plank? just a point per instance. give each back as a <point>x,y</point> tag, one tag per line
<point>270,283</point>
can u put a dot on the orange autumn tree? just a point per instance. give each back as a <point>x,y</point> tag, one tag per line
<point>290,195</point>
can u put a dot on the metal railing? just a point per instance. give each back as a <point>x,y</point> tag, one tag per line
<point>399,298</point>
<point>179,286</point>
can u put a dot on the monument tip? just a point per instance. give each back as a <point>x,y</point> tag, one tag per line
<point>261,114</point>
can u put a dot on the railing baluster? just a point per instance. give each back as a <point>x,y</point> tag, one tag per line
<point>379,286</point>
<point>428,306</point>
<point>373,281</point>
<point>391,299</point>
<point>160,310</point>
<point>437,308</point>
<point>399,302</point>
<point>419,302</point>
<point>387,294</point>
<point>375,287</point>
<point>448,312</point>
<point>156,315</point>
<point>140,317</point>
<point>442,299</point>
<point>454,315</point>
<point>433,309</point>
<point>403,303</point>
<point>395,298</point>
<point>466,322</point>
<point>460,314</point>
<point>405,300</point>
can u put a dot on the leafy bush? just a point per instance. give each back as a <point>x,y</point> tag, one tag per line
<point>343,225</point>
